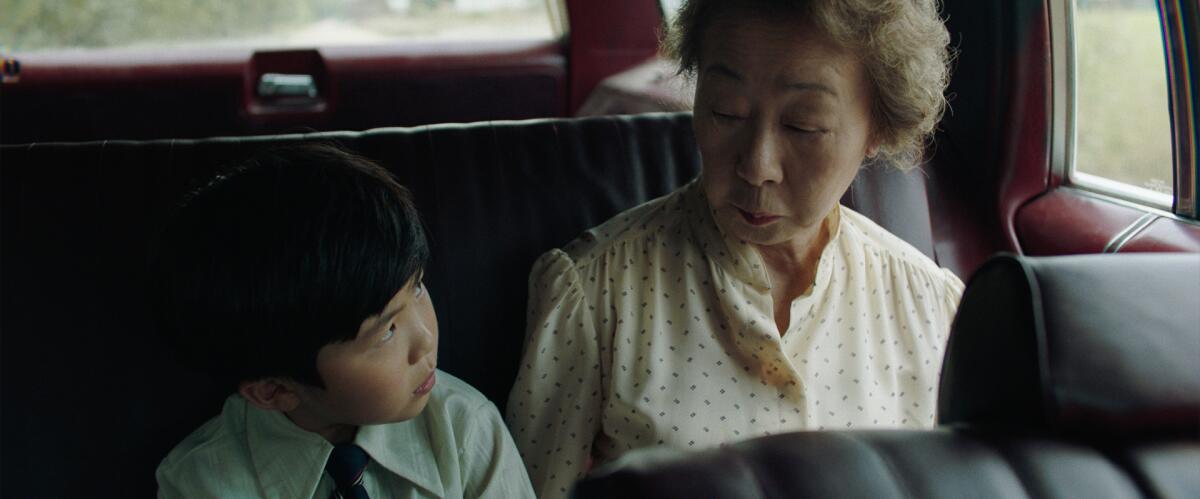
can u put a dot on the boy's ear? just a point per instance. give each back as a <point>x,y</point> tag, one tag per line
<point>271,394</point>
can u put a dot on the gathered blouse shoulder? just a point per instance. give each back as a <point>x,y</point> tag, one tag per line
<point>655,329</point>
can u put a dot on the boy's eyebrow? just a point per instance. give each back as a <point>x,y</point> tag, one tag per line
<point>396,312</point>
<point>385,317</point>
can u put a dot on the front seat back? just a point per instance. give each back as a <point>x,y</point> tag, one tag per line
<point>1064,377</point>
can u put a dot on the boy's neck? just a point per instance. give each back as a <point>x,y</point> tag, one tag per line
<point>335,433</point>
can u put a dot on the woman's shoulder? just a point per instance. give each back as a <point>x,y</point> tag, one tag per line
<point>637,225</point>
<point>586,264</point>
<point>877,242</point>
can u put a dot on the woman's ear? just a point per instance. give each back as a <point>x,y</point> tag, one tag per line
<point>874,142</point>
<point>271,394</point>
<point>872,146</point>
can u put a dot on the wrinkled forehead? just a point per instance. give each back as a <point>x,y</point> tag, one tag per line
<point>768,46</point>
<point>792,21</point>
<point>748,15</point>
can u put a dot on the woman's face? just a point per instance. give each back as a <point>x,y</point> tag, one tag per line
<point>783,121</point>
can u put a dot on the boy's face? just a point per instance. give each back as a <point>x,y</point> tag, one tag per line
<point>384,375</point>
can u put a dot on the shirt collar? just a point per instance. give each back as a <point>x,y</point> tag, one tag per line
<point>734,256</point>
<point>290,461</point>
<point>404,449</point>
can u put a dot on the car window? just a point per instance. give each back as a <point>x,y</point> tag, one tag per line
<point>669,9</point>
<point>1122,110</point>
<point>38,25</point>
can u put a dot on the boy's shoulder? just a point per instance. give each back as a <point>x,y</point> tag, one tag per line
<point>456,412</point>
<point>218,448</point>
<point>456,399</point>
<point>225,455</point>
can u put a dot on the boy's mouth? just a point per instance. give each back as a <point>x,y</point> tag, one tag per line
<point>427,386</point>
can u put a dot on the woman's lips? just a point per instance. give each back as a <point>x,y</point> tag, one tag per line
<point>758,219</point>
<point>427,385</point>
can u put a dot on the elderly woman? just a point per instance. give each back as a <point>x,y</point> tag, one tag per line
<point>749,302</point>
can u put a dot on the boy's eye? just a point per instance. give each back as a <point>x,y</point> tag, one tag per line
<point>419,289</point>
<point>387,335</point>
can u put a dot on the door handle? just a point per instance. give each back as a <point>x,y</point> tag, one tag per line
<point>286,85</point>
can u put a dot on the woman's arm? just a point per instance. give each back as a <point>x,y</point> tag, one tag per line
<point>554,407</point>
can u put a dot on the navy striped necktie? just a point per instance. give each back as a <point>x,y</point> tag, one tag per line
<point>346,465</point>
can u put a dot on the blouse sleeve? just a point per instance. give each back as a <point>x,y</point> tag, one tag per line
<point>952,290</point>
<point>554,407</point>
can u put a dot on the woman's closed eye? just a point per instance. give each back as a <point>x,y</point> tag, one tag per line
<point>723,116</point>
<point>803,128</point>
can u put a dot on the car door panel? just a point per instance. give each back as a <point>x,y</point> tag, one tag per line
<point>1166,234</point>
<point>191,93</point>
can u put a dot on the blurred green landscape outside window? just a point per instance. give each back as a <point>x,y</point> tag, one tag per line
<point>1122,120</point>
<point>57,25</point>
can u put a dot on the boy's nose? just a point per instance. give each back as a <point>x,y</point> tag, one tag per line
<point>424,341</point>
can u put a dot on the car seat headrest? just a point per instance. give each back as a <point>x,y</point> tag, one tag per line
<point>1097,344</point>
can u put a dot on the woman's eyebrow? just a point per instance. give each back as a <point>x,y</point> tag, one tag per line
<point>723,70</point>
<point>797,85</point>
<point>808,86</point>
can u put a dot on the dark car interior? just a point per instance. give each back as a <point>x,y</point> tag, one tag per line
<point>1071,376</point>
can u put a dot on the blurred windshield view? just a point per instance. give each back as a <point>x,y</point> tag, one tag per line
<point>44,25</point>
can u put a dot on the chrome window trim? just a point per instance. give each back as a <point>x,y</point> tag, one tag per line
<point>1062,101</point>
<point>1122,238</point>
<point>1136,205</point>
<point>1121,190</point>
<point>560,26</point>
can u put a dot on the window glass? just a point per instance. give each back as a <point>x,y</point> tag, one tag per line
<point>1122,117</point>
<point>670,8</point>
<point>40,25</point>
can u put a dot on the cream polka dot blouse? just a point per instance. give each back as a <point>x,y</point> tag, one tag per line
<point>654,329</point>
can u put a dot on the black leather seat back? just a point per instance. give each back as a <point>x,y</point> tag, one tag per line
<point>1089,344</point>
<point>88,386</point>
<point>91,394</point>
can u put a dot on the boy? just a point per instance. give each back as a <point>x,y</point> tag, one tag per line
<point>296,278</point>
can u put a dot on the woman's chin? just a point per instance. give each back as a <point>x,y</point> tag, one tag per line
<point>754,232</point>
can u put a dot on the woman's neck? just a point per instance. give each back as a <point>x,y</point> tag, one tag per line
<point>800,255</point>
<point>792,266</point>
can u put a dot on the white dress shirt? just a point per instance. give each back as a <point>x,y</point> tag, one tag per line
<point>457,447</point>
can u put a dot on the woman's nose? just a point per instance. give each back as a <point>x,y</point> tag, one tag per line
<point>759,161</point>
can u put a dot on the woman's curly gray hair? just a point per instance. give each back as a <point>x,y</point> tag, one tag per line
<point>903,45</point>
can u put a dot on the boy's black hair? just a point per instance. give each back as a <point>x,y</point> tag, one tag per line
<point>283,254</point>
